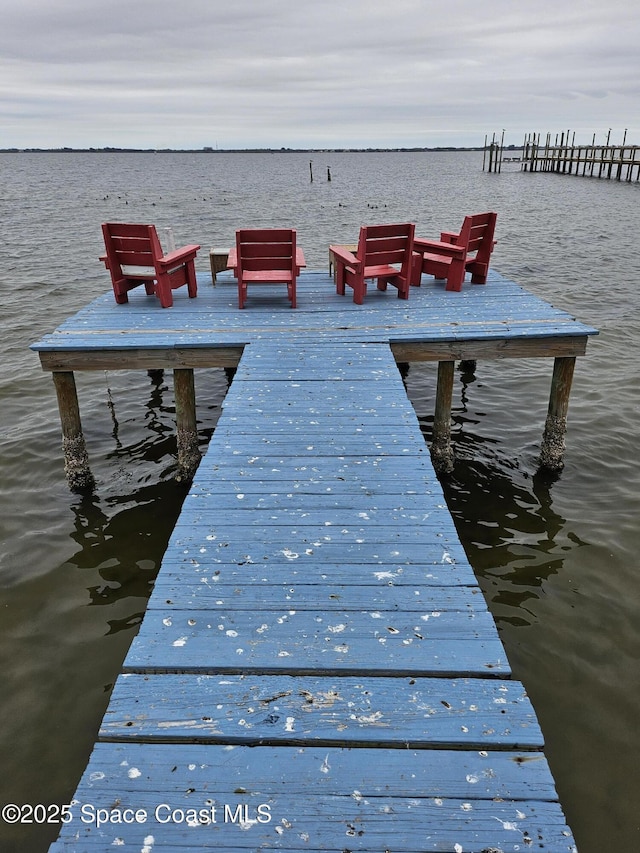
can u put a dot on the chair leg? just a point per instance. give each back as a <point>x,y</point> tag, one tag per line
<point>339,277</point>
<point>242,293</point>
<point>192,285</point>
<point>416,270</point>
<point>359,292</point>
<point>456,275</point>
<point>163,289</point>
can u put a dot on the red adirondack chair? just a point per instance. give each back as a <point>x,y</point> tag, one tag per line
<point>384,253</point>
<point>455,254</point>
<point>267,256</point>
<point>134,257</point>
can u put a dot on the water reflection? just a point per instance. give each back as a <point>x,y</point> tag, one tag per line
<point>121,542</point>
<point>504,513</point>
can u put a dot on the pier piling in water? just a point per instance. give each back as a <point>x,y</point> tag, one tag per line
<point>441,451</point>
<point>76,459</point>
<point>186,426</point>
<point>553,439</point>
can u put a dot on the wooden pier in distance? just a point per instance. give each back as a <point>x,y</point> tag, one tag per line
<point>564,156</point>
<point>317,668</point>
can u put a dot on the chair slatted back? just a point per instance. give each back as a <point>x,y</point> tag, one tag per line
<point>266,249</point>
<point>477,233</point>
<point>384,244</point>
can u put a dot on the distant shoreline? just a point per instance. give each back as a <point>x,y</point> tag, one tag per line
<point>209,150</point>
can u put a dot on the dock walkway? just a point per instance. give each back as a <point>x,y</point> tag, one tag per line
<point>317,668</point>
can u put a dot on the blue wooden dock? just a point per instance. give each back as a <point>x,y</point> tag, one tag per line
<point>317,668</point>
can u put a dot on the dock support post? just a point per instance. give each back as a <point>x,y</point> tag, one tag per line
<point>553,439</point>
<point>186,430</point>
<point>441,452</point>
<point>76,458</point>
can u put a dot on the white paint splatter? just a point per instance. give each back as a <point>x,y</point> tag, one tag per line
<point>182,641</point>
<point>507,824</point>
<point>134,773</point>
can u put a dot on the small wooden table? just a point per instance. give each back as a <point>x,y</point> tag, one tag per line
<point>218,260</point>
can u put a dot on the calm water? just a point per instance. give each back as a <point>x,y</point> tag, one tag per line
<point>557,558</point>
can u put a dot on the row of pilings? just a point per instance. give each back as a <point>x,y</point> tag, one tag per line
<point>562,155</point>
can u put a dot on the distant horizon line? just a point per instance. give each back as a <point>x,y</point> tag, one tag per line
<point>207,149</point>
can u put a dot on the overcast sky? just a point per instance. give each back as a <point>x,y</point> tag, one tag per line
<point>315,73</point>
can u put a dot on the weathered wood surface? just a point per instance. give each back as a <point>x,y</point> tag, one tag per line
<point>403,712</point>
<point>208,797</point>
<point>316,654</point>
<point>499,320</point>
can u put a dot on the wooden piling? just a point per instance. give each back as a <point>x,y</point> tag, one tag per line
<point>76,458</point>
<point>553,439</point>
<point>186,427</point>
<point>441,452</point>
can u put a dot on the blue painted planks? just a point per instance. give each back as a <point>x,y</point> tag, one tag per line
<point>367,642</point>
<point>498,310</point>
<point>318,799</point>
<point>417,713</point>
<point>317,668</point>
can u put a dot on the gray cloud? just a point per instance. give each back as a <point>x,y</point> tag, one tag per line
<point>154,73</point>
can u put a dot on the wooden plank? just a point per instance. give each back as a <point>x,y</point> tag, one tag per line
<point>354,467</point>
<point>211,537</point>
<point>302,594</point>
<point>308,514</point>
<point>319,442</point>
<point>305,549</point>
<point>475,349</point>
<point>371,643</point>
<point>315,799</point>
<point>320,573</point>
<point>409,713</point>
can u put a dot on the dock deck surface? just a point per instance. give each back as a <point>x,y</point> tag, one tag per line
<point>497,320</point>
<point>317,668</point>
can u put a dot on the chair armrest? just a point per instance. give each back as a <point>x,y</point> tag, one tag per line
<point>449,237</point>
<point>438,247</point>
<point>179,256</point>
<point>300,259</point>
<point>344,255</point>
<point>105,260</point>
